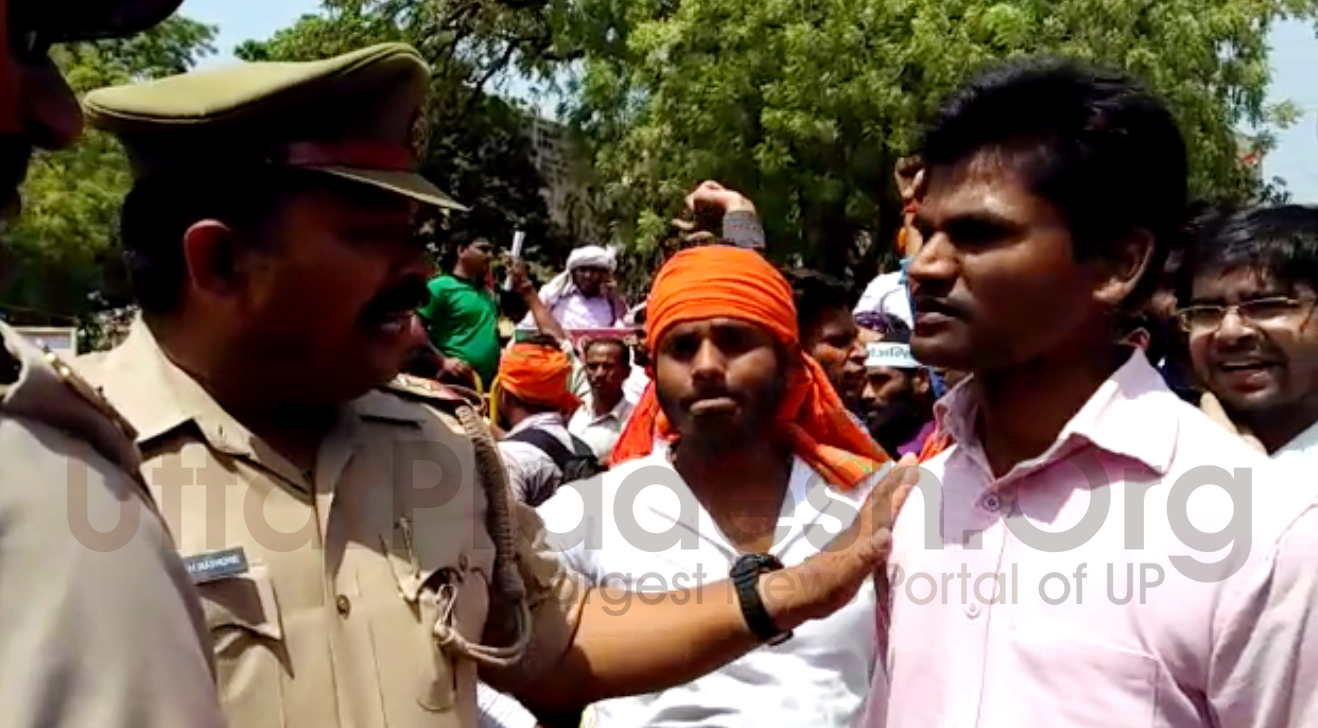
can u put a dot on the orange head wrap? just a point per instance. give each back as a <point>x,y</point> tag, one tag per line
<point>727,282</point>
<point>537,375</point>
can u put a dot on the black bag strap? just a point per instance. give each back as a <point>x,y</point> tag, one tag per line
<point>550,445</point>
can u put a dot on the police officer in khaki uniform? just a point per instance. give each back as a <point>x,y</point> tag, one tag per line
<point>352,535</point>
<point>99,625</point>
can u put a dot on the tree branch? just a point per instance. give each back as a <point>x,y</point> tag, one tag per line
<point>478,88</point>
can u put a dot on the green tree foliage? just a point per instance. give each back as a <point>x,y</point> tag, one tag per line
<point>807,104</point>
<point>60,258</point>
<point>477,148</point>
<point>804,105</point>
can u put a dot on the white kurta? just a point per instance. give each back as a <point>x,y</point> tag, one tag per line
<point>817,678</point>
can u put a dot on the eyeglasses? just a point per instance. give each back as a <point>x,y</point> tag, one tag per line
<point>1259,312</point>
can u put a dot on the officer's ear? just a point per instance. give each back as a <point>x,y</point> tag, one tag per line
<point>922,384</point>
<point>212,256</point>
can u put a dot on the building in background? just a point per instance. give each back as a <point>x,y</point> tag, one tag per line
<point>563,163</point>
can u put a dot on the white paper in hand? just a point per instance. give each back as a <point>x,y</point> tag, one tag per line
<point>519,237</point>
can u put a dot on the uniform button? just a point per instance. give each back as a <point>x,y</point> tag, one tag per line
<point>992,503</point>
<point>344,606</point>
<point>973,610</point>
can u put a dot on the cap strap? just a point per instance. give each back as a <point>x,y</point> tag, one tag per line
<point>357,154</point>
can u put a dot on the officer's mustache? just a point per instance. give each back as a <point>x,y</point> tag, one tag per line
<point>403,297</point>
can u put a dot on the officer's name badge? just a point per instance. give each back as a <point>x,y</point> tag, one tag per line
<point>216,565</point>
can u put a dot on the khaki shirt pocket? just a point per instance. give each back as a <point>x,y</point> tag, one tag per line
<point>451,603</point>
<point>242,615</point>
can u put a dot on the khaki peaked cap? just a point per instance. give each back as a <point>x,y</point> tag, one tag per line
<point>353,116</point>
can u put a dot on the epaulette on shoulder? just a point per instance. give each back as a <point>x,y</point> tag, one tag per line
<point>432,392</point>
<point>88,393</point>
<point>53,393</point>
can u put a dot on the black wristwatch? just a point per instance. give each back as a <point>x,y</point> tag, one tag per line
<point>745,576</point>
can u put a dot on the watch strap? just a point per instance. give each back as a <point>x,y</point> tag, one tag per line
<point>746,577</point>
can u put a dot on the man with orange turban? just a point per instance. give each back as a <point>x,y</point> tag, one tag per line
<point>746,430</point>
<point>532,405</point>
<point>722,331</point>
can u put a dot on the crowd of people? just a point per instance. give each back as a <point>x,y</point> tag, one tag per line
<point>574,366</point>
<point>1050,470</point>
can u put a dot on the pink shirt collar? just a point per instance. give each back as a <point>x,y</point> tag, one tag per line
<point>1128,415</point>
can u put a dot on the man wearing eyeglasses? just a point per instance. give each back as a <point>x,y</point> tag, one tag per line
<point>99,625</point>
<point>1249,286</point>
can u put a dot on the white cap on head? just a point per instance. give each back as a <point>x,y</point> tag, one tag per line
<point>592,256</point>
<point>889,354</point>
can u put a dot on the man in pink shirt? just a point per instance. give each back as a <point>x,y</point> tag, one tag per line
<point>1062,563</point>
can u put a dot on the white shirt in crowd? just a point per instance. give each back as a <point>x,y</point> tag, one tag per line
<point>532,473</point>
<point>634,387</point>
<point>576,311</point>
<point>1303,450</point>
<point>819,677</point>
<point>565,301</point>
<point>601,432</point>
<point>887,294</point>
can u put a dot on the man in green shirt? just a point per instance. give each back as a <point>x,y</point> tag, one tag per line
<point>462,316</point>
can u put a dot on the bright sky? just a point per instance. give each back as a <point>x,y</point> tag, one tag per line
<point>1294,56</point>
<point>241,20</point>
